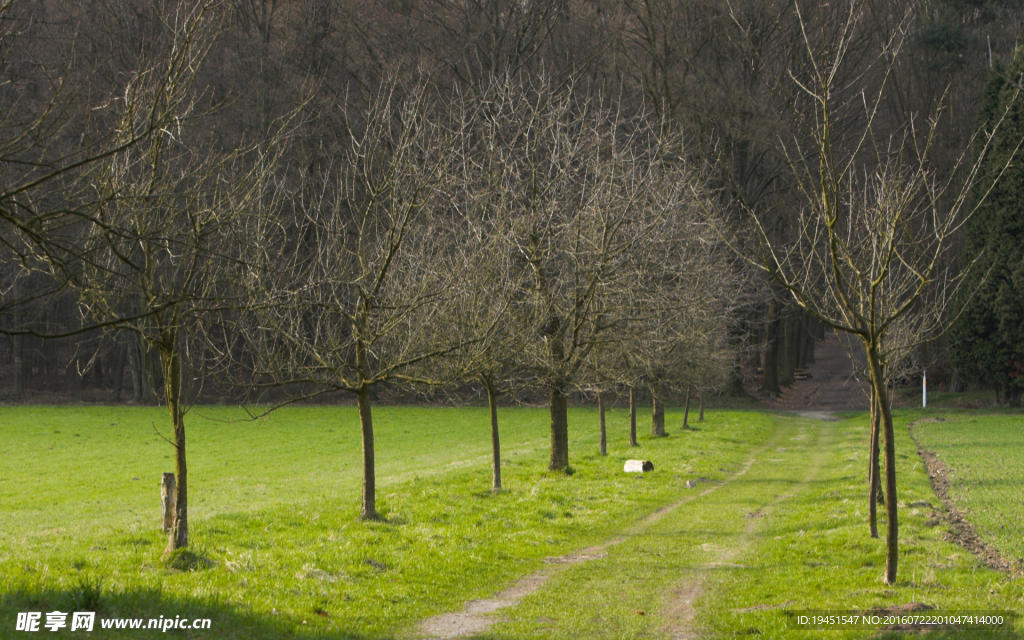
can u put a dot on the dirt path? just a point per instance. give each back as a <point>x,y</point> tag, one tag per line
<point>680,611</point>
<point>832,386</point>
<point>477,615</point>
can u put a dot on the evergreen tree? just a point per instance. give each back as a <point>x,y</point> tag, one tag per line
<point>987,340</point>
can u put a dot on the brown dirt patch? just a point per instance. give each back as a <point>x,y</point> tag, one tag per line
<point>474,617</point>
<point>961,531</point>
<point>681,610</point>
<point>833,385</point>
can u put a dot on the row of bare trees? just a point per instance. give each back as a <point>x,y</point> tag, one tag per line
<point>448,195</point>
<point>522,236</point>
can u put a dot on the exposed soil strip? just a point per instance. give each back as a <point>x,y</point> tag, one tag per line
<point>476,617</point>
<point>962,532</point>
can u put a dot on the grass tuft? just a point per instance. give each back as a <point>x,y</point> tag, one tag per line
<point>87,595</point>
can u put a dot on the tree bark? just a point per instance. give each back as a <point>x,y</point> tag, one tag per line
<point>368,509</point>
<point>604,432</point>
<point>734,385</point>
<point>559,429</point>
<point>892,524</point>
<point>657,411</point>
<point>700,399</point>
<point>770,375</point>
<point>632,418</point>
<point>874,484</point>
<point>492,404</point>
<point>788,349</point>
<point>686,409</point>
<point>178,538</point>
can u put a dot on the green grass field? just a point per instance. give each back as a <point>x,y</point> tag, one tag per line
<point>985,456</point>
<point>279,552</point>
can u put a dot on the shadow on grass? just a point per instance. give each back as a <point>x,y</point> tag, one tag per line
<point>227,620</point>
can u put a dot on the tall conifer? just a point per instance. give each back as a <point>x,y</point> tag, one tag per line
<point>987,340</point>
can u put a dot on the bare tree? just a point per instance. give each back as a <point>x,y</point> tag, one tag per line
<point>153,255</point>
<point>581,192</point>
<point>488,310</point>
<point>62,120</point>
<point>348,290</point>
<point>672,328</point>
<point>872,242</point>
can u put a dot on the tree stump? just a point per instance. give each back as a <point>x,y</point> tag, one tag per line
<point>167,496</point>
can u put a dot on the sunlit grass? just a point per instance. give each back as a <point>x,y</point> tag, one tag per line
<point>984,454</point>
<point>277,547</point>
<point>789,535</point>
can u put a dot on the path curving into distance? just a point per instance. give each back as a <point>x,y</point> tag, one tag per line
<point>786,465</point>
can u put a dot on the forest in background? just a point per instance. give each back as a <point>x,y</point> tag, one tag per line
<point>708,72</point>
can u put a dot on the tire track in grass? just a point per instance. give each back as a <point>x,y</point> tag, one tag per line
<point>478,616</point>
<point>680,611</point>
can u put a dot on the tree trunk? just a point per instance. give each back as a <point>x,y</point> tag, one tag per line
<point>178,538</point>
<point>559,429</point>
<point>117,371</point>
<point>892,524</point>
<point>134,361</point>
<point>632,418</point>
<point>368,509</point>
<point>788,349</point>
<point>770,376</point>
<point>700,399</point>
<point>686,409</point>
<point>734,386</point>
<point>17,346</point>
<point>657,411</point>
<point>874,481</point>
<point>604,432</point>
<point>492,403</point>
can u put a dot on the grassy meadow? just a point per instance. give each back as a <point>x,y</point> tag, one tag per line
<point>274,505</point>
<point>776,522</point>
<point>984,453</point>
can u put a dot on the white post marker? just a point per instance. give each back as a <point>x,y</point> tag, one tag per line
<point>924,389</point>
